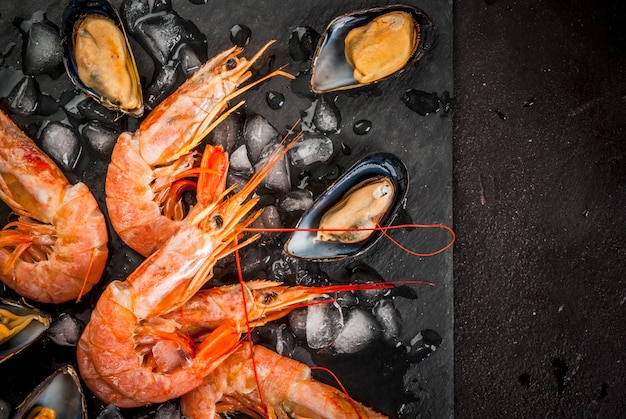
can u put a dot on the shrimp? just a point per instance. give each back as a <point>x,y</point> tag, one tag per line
<point>130,354</point>
<point>142,193</point>
<point>214,315</point>
<point>285,384</point>
<point>56,249</point>
<point>265,301</point>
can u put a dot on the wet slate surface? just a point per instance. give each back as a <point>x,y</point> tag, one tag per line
<point>539,196</point>
<point>424,142</point>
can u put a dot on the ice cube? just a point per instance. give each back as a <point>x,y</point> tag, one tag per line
<point>324,323</point>
<point>297,322</point>
<point>258,133</point>
<point>279,178</point>
<point>41,50</point>
<point>233,178</point>
<point>277,337</point>
<point>189,61</point>
<point>228,132</point>
<point>302,43</point>
<point>253,259</point>
<point>346,299</point>
<point>110,412</point>
<point>314,148</point>
<point>23,98</point>
<point>65,330</point>
<point>168,410</point>
<point>360,330</point>
<point>163,84</point>
<point>389,319</point>
<point>361,273</point>
<point>300,200</point>
<point>326,116</point>
<point>100,137</point>
<point>61,143</point>
<point>161,31</point>
<point>90,109</point>
<point>270,218</point>
<point>239,161</point>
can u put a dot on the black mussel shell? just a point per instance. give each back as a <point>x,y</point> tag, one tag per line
<point>330,70</point>
<point>75,12</point>
<point>304,245</point>
<point>61,392</point>
<point>27,336</point>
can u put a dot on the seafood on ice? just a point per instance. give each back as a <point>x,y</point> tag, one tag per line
<point>56,249</point>
<point>151,168</point>
<point>130,354</point>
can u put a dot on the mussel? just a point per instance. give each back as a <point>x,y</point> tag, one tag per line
<point>370,45</point>
<point>20,326</point>
<point>367,195</point>
<point>98,57</point>
<point>60,396</point>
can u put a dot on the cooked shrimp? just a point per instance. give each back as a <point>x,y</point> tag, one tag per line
<point>56,250</point>
<point>130,354</point>
<point>265,301</point>
<point>147,165</point>
<point>285,385</point>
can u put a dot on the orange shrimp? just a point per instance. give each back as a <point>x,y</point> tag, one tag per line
<point>130,353</point>
<point>56,250</point>
<point>265,301</point>
<point>147,165</point>
<point>213,316</point>
<point>286,387</point>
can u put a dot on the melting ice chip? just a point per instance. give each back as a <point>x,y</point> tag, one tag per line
<point>258,133</point>
<point>311,149</point>
<point>323,324</point>
<point>66,330</point>
<point>360,330</point>
<point>61,142</point>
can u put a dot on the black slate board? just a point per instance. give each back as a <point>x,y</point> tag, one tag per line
<point>424,142</point>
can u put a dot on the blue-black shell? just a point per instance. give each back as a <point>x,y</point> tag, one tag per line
<point>330,70</point>
<point>302,244</point>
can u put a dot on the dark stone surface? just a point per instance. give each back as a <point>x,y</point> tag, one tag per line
<point>539,192</point>
<point>386,377</point>
<point>539,196</point>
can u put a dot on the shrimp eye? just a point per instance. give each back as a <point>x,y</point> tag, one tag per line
<point>231,64</point>
<point>269,297</point>
<point>218,221</point>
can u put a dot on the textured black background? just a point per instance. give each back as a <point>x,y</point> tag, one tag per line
<point>539,194</point>
<point>540,302</point>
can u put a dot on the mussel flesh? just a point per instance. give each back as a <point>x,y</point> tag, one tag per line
<point>20,326</point>
<point>98,58</point>
<point>367,46</point>
<point>60,396</point>
<point>366,195</point>
<point>362,207</point>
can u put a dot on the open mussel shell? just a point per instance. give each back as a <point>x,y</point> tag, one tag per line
<point>98,57</point>
<point>59,396</point>
<point>370,47</point>
<point>372,168</point>
<point>20,327</point>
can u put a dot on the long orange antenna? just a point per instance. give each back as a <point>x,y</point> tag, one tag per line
<point>377,228</point>
<point>249,331</point>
